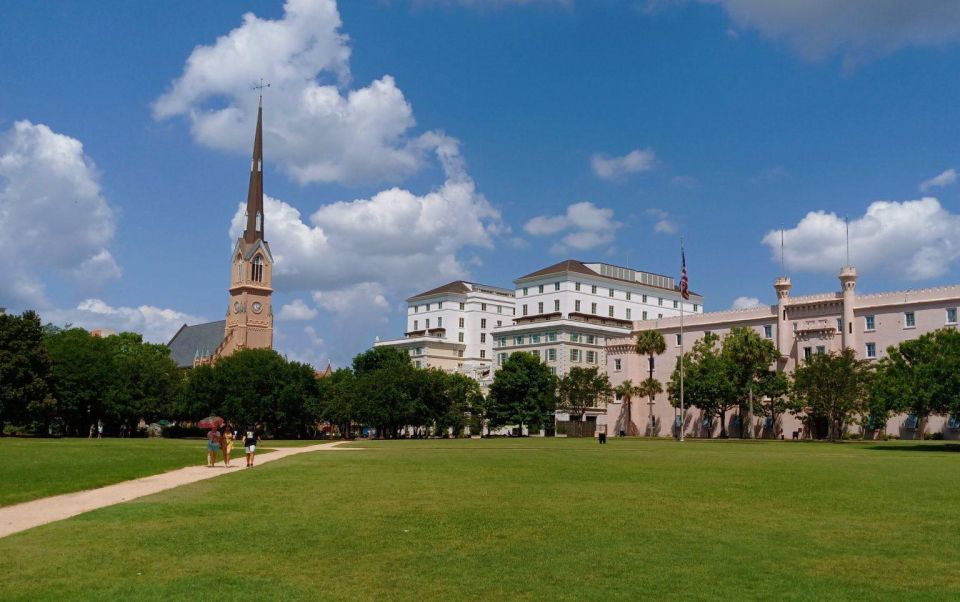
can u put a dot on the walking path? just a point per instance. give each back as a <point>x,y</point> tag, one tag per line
<point>27,515</point>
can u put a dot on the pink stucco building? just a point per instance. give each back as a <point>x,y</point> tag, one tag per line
<point>799,327</point>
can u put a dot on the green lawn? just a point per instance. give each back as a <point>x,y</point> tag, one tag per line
<point>529,519</point>
<point>35,468</point>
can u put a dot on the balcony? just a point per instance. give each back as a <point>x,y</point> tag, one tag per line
<point>437,333</point>
<point>601,320</point>
<point>822,328</point>
<point>538,318</point>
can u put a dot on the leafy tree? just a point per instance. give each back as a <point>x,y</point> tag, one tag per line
<point>773,387</point>
<point>748,357</point>
<point>336,400</point>
<point>707,382</point>
<point>583,388</point>
<point>831,387</point>
<point>82,373</point>
<point>144,380</point>
<point>523,392</point>
<point>24,367</point>
<point>627,391</point>
<point>651,344</point>
<point>462,394</point>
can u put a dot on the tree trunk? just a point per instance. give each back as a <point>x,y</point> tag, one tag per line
<point>749,413</point>
<point>723,424</point>
<point>629,418</point>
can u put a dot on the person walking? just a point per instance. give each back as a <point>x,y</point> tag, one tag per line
<point>250,440</point>
<point>226,444</point>
<point>213,446</point>
<point>99,429</point>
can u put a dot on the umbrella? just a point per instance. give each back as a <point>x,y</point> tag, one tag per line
<point>210,422</point>
<point>164,423</point>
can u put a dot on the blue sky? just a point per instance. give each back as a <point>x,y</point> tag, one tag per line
<point>409,143</point>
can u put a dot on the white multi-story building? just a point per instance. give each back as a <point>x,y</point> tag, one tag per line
<point>450,327</point>
<point>566,312</point>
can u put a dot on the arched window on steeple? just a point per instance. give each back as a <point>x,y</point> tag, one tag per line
<point>257,268</point>
<point>239,269</point>
<point>259,222</point>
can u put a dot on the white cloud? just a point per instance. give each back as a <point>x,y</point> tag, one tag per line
<point>157,325</point>
<point>946,178</point>
<point>396,238</point>
<point>664,223</point>
<point>614,168</point>
<point>366,294</point>
<point>484,4</point>
<point>297,310</point>
<point>746,303</point>
<point>314,127</point>
<point>52,214</point>
<point>859,30</point>
<point>914,240</point>
<point>587,226</point>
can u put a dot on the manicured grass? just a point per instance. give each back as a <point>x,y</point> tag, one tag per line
<point>35,468</point>
<point>528,519</point>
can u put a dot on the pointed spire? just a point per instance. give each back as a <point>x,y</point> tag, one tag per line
<point>254,229</point>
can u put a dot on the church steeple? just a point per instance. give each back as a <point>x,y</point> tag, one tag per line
<point>254,231</point>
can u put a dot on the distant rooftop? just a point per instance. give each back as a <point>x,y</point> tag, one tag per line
<point>462,287</point>
<point>606,270</point>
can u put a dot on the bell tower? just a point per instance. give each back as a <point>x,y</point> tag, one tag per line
<point>250,311</point>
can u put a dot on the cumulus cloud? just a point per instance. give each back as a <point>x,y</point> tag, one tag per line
<point>942,180</point>
<point>614,168</point>
<point>746,303</point>
<point>315,127</point>
<point>297,310</point>
<point>859,30</point>
<point>157,325</point>
<point>587,226</point>
<point>914,240</point>
<point>52,213</point>
<point>663,223</point>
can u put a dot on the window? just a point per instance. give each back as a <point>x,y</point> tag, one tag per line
<point>524,309</point>
<point>552,337</point>
<point>540,289</point>
<point>535,352</point>
<point>239,270</point>
<point>628,295</point>
<point>610,311</point>
<point>540,307</point>
<point>591,357</point>
<point>644,298</point>
<point>518,340</point>
<point>674,304</point>
<point>461,322</point>
<point>871,350</point>
<point>870,323</point>
<point>576,286</point>
<point>951,315</point>
<point>556,305</point>
<point>556,286</point>
<point>574,337</point>
<point>551,355</point>
<point>821,349</point>
<point>460,337</point>
<point>483,307</point>
<point>439,322</point>
<point>501,357</point>
<point>462,306</point>
<point>659,316</point>
<point>659,300</point>
<point>644,315</point>
<point>428,323</point>
<point>695,307</point>
<point>909,320</point>
<point>428,307</point>
<point>574,355</point>
<point>418,351</point>
<point>257,268</point>
<point>576,305</point>
<point>499,323</point>
<point>679,339</point>
<point>524,291</point>
<point>768,331</point>
<point>616,365</point>
<point>591,339</point>
<point>807,353</point>
<point>593,308</point>
<point>483,322</point>
<point>483,337</point>
<point>499,309</point>
<point>553,370</point>
<point>839,324</point>
<point>593,289</point>
<point>459,352</point>
<point>611,293</point>
<point>439,304</point>
<point>483,354</point>
<point>535,338</point>
<point>417,364</point>
<point>416,324</point>
<point>628,313</point>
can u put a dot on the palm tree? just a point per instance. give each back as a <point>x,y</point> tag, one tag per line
<point>651,344</point>
<point>627,390</point>
<point>650,387</point>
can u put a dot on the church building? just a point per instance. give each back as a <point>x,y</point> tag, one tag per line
<point>248,323</point>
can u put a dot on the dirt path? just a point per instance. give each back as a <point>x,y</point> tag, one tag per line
<point>27,515</point>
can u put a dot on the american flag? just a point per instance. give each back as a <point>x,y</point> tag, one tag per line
<point>684,290</point>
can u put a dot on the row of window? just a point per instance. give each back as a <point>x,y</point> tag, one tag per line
<point>483,325</point>
<point>550,355</point>
<point>463,306</point>
<point>550,337</point>
<point>593,290</point>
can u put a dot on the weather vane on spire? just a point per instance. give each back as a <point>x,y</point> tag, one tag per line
<point>260,88</point>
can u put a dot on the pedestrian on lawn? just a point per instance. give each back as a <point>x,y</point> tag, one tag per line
<point>92,429</point>
<point>99,429</point>
<point>250,440</point>
<point>226,444</point>
<point>213,446</point>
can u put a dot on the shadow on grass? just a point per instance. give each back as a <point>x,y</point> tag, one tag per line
<point>930,447</point>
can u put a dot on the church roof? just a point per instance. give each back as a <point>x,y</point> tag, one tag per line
<point>199,339</point>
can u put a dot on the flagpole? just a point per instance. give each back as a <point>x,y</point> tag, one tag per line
<point>682,343</point>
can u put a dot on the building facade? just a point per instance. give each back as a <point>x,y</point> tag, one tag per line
<point>568,312</point>
<point>799,327</point>
<point>450,327</point>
